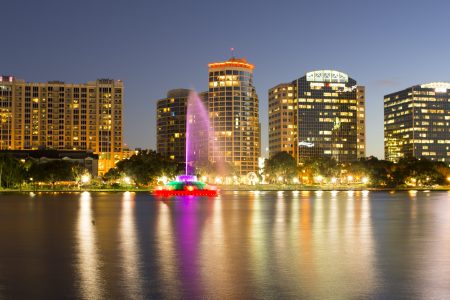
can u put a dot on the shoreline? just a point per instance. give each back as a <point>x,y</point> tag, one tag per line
<point>241,188</point>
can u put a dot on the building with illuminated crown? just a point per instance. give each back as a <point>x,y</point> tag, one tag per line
<point>61,116</point>
<point>234,115</point>
<point>321,114</point>
<point>416,122</point>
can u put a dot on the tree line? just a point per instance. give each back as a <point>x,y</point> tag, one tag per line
<point>15,172</point>
<point>282,167</point>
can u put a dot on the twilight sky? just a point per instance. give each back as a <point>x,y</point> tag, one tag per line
<point>157,45</point>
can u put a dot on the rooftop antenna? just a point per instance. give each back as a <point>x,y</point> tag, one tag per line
<point>232,52</point>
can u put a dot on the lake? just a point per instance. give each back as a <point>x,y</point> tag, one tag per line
<point>240,245</point>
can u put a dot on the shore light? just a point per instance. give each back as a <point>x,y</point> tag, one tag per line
<point>127,180</point>
<point>333,180</point>
<point>280,178</point>
<point>349,178</point>
<point>295,180</point>
<point>365,180</point>
<point>85,178</point>
<point>319,178</point>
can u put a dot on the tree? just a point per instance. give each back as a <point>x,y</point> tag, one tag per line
<point>280,165</point>
<point>12,172</point>
<point>52,171</point>
<point>143,167</point>
<point>323,166</point>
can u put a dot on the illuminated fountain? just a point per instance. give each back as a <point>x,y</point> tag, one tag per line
<point>197,133</point>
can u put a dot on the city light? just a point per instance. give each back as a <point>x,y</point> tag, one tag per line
<point>127,180</point>
<point>349,178</point>
<point>365,180</point>
<point>280,178</point>
<point>85,178</point>
<point>163,179</point>
<point>319,178</point>
<point>333,180</point>
<point>295,180</point>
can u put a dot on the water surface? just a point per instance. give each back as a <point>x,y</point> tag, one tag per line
<point>241,245</point>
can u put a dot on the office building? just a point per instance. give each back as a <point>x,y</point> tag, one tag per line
<point>330,117</point>
<point>283,119</point>
<point>61,116</point>
<point>416,122</point>
<point>234,115</point>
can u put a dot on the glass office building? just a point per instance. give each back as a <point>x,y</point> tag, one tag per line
<point>330,117</point>
<point>416,122</point>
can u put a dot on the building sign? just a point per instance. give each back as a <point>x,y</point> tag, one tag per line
<point>306,144</point>
<point>327,76</point>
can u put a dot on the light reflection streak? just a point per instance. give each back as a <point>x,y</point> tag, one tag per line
<point>166,252</point>
<point>348,236</point>
<point>129,247</point>
<point>91,284</point>
<point>214,255</point>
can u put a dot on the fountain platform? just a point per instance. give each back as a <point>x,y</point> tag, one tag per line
<point>186,185</point>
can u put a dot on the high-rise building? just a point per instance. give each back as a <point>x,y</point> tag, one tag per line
<point>234,115</point>
<point>61,116</point>
<point>171,125</point>
<point>330,117</point>
<point>283,119</point>
<point>416,122</point>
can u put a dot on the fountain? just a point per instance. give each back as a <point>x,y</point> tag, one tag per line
<point>197,134</point>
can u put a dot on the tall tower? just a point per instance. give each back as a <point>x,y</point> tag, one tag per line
<point>234,115</point>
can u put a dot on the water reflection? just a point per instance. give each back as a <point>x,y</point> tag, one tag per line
<point>91,284</point>
<point>130,254</point>
<point>303,245</point>
<point>166,251</point>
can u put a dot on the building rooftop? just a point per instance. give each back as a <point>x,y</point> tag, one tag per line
<point>232,62</point>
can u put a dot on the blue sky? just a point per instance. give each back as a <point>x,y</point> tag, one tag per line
<point>154,46</point>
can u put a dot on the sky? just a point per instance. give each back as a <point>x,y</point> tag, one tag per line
<point>156,45</point>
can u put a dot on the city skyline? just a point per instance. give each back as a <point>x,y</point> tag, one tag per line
<point>157,47</point>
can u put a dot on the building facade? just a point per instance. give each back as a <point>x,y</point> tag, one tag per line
<point>331,116</point>
<point>60,116</point>
<point>416,122</point>
<point>171,119</point>
<point>283,119</point>
<point>171,124</point>
<point>234,115</point>
<point>329,121</point>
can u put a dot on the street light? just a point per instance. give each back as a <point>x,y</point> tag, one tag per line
<point>86,178</point>
<point>365,180</point>
<point>333,180</point>
<point>127,180</point>
<point>319,178</point>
